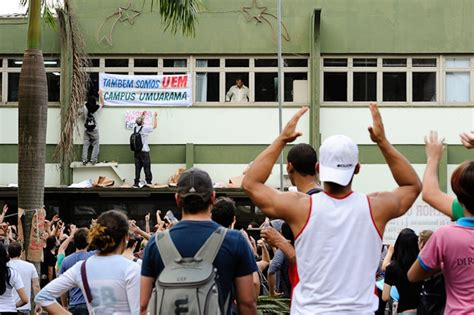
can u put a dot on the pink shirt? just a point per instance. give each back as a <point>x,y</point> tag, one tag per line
<point>453,247</point>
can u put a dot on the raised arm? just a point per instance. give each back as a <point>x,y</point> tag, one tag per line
<point>389,205</point>
<point>467,139</point>
<point>4,212</point>
<point>65,244</point>
<point>431,192</point>
<point>101,99</point>
<point>155,120</point>
<point>293,207</point>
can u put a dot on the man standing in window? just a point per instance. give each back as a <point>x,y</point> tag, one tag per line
<point>142,158</point>
<point>237,93</point>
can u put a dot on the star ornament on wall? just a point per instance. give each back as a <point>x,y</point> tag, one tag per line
<point>254,12</point>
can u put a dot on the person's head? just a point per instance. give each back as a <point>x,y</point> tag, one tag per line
<point>140,120</point>
<point>301,160</point>
<point>109,233</point>
<point>4,270</point>
<point>14,250</point>
<point>195,192</point>
<point>51,243</point>
<point>132,242</point>
<point>338,162</point>
<point>80,238</point>
<point>223,211</point>
<point>406,249</point>
<point>91,104</point>
<point>423,238</point>
<point>239,82</point>
<point>462,183</point>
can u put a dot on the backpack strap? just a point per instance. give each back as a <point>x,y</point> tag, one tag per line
<point>209,250</point>
<point>85,283</point>
<point>168,251</point>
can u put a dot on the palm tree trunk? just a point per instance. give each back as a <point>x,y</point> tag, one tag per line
<point>32,113</point>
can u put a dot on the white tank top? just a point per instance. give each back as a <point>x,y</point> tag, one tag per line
<point>338,252</point>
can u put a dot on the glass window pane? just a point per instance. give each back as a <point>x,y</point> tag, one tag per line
<point>48,63</point>
<point>424,87</point>
<point>15,63</point>
<point>116,62</point>
<point>457,86</point>
<point>399,62</point>
<point>266,62</point>
<point>207,87</point>
<point>333,62</point>
<point>52,62</point>
<point>53,80</point>
<point>335,86</point>
<point>231,80</point>
<point>94,62</point>
<point>422,62</point>
<point>365,86</point>
<point>13,81</point>
<point>394,86</point>
<point>236,62</point>
<point>296,87</point>
<point>458,62</point>
<point>145,62</point>
<point>145,73</point>
<point>266,87</point>
<point>208,63</point>
<point>365,62</point>
<point>295,62</point>
<point>175,63</point>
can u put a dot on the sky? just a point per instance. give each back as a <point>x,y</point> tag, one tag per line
<point>13,6</point>
<point>10,7</point>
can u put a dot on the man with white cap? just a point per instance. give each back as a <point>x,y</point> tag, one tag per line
<point>338,232</point>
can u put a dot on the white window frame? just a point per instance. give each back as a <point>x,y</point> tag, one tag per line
<point>470,70</point>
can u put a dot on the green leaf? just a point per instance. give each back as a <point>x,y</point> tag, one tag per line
<point>179,15</point>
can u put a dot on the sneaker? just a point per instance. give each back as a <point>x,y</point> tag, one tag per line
<point>84,162</point>
<point>135,186</point>
<point>93,162</point>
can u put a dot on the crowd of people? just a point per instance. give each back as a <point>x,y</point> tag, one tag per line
<point>321,249</point>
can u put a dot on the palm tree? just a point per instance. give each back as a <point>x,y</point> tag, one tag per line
<point>33,101</point>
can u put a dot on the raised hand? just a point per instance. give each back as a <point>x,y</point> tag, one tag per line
<point>72,229</point>
<point>289,133</point>
<point>377,130</point>
<point>147,217</point>
<point>467,139</point>
<point>434,146</point>
<point>5,209</point>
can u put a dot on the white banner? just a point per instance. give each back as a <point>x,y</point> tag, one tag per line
<point>146,90</point>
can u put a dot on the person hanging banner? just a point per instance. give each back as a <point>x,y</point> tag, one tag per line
<point>146,90</point>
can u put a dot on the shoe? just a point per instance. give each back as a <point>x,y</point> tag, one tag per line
<point>84,162</point>
<point>93,162</point>
<point>135,186</point>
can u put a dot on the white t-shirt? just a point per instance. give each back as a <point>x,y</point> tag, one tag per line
<point>27,272</point>
<point>7,300</point>
<point>146,130</point>
<point>114,282</point>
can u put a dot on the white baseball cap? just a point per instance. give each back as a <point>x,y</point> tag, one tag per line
<point>338,158</point>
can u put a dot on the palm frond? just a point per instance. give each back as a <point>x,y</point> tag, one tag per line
<point>179,15</point>
<point>47,11</point>
<point>48,17</point>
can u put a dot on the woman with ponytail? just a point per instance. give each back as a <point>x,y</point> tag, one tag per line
<point>10,280</point>
<point>109,282</point>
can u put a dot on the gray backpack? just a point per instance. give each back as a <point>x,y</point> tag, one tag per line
<point>188,285</point>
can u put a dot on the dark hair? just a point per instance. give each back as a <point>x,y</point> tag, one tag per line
<point>51,243</point>
<point>287,233</point>
<point>108,232</point>
<point>80,238</point>
<point>406,249</point>
<point>223,211</point>
<point>303,158</point>
<point>462,183</point>
<point>4,270</point>
<point>194,204</point>
<point>14,250</point>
